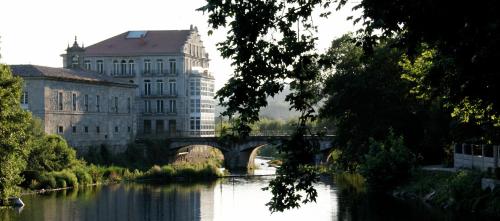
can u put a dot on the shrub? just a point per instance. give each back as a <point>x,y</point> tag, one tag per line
<point>387,164</point>
<point>68,176</point>
<point>83,177</point>
<point>47,181</point>
<point>51,153</point>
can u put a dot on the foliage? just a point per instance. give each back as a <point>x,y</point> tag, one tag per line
<point>51,153</point>
<point>184,171</point>
<point>14,133</point>
<point>388,163</point>
<point>365,95</point>
<point>464,37</point>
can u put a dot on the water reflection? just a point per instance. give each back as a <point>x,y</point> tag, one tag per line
<point>225,199</point>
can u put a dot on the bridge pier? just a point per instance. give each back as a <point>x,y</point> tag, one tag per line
<point>236,159</point>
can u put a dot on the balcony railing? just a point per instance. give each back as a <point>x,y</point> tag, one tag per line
<point>159,95</point>
<point>158,73</point>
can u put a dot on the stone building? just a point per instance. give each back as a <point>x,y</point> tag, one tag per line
<point>175,90</point>
<point>86,108</point>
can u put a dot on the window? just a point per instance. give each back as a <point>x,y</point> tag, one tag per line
<point>86,129</point>
<point>116,68</point>
<point>159,87</point>
<point>73,129</point>
<point>159,66</point>
<point>60,100</point>
<point>100,66</point>
<point>194,105</point>
<point>147,106</point>
<point>116,104</point>
<point>24,100</point>
<point>116,129</point>
<point>194,123</point>
<point>86,102</point>
<point>74,61</point>
<point>97,129</point>
<point>173,69</point>
<point>87,64</point>
<point>147,126</point>
<point>147,66</point>
<point>128,129</point>
<point>128,105</point>
<point>172,87</point>
<point>73,101</point>
<point>123,67</point>
<point>159,126</point>
<point>98,103</point>
<point>147,87</point>
<point>194,86</point>
<point>172,106</point>
<point>60,129</point>
<point>159,106</point>
<point>131,67</point>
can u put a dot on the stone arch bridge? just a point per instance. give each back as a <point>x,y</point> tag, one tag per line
<point>238,155</point>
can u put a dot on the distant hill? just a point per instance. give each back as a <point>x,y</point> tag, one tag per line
<point>277,107</point>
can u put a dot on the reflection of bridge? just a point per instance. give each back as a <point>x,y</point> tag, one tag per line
<point>239,154</point>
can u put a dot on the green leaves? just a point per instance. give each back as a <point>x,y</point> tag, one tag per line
<point>14,133</point>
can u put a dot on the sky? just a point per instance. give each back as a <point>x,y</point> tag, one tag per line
<point>37,32</point>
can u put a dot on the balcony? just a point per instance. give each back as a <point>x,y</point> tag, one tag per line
<point>154,73</point>
<point>158,95</point>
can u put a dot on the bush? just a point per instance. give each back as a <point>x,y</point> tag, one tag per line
<point>69,178</point>
<point>83,177</point>
<point>47,181</point>
<point>388,163</point>
<point>51,153</point>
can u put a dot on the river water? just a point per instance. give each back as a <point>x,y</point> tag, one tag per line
<point>231,199</point>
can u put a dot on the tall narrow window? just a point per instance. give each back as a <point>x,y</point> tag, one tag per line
<point>87,64</point>
<point>172,106</point>
<point>86,102</point>
<point>147,106</point>
<point>172,87</point>
<point>73,129</point>
<point>100,66</point>
<point>159,66</point>
<point>98,103</point>
<point>159,87</point>
<point>147,87</point>
<point>116,68</point>
<point>73,101</point>
<point>123,67</point>
<point>24,99</point>
<point>116,104</point>
<point>60,101</point>
<point>131,67</point>
<point>97,129</point>
<point>159,106</point>
<point>128,105</point>
<point>60,129</point>
<point>147,66</point>
<point>173,68</point>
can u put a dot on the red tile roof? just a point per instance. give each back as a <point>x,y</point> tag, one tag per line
<point>155,42</point>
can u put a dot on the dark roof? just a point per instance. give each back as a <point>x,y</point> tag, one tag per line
<point>28,70</point>
<point>154,42</point>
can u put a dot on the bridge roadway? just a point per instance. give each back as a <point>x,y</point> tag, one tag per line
<point>242,153</point>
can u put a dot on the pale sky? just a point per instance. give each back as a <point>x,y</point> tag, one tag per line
<point>38,32</point>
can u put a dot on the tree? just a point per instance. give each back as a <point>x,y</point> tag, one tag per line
<point>464,36</point>
<point>263,62</point>
<point>14,133</point>
<point>51,153</point>
<point>366,95</point>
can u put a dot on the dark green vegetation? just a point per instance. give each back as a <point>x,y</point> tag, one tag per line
<point>426,69</point>
<point>456,191</point>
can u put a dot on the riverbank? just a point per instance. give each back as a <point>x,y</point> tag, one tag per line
<point>452,191</point>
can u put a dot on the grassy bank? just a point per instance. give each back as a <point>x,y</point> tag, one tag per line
<point>90,175</point>
<point>459,191</point>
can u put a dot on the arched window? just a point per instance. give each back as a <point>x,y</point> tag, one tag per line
<point>124,67</point>
<point>131,67</point>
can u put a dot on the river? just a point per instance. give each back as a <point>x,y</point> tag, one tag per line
<point>231,199</point>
